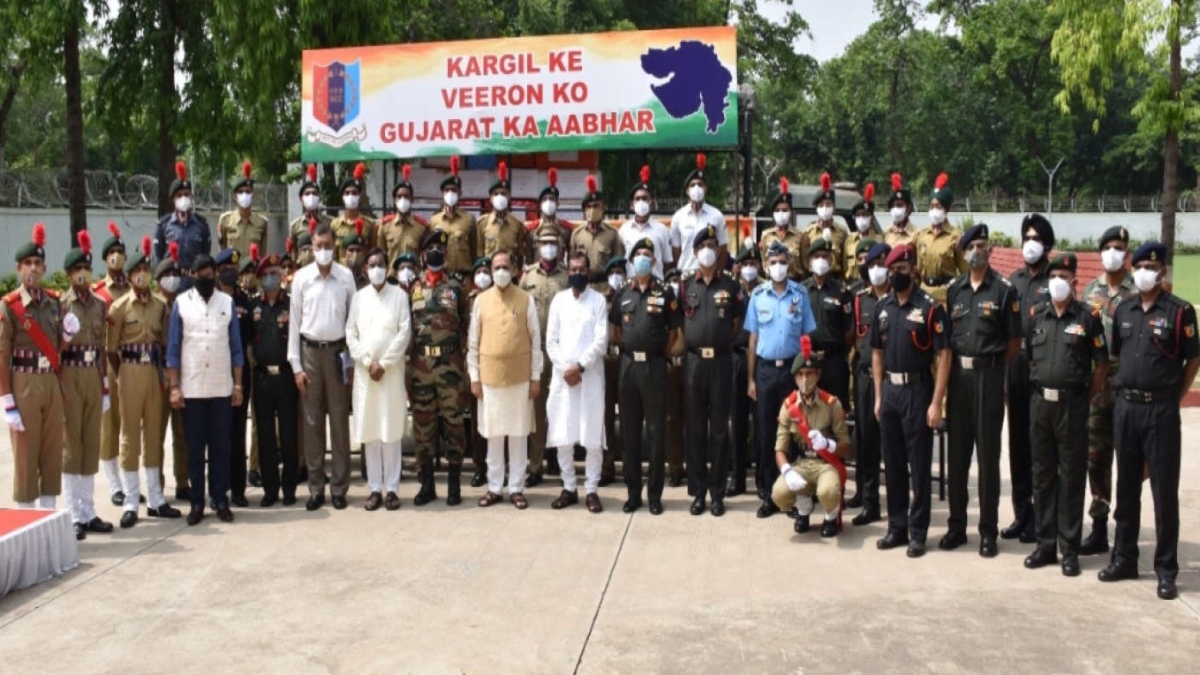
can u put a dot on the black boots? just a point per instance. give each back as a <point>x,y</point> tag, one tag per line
<point>1096,542</point>
<point>426,494</point>
<point>453,485</point>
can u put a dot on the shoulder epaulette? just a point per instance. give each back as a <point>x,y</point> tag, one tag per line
<point>389,218</point>
<point>52,293</point>
<point>13,295</point>
<point>421,220</point>
<point>827,397</point>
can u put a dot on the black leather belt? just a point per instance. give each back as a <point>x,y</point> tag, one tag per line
<point>938,281</point>
<point>641,357</point>
<point>1060,394</point>
<point>273,370</point>
<point>1149,395</point>
<point>778,363</point>
<point>324,344</point>
<point>708,352</point>
<point>903,379</point>
<point>973,362</point>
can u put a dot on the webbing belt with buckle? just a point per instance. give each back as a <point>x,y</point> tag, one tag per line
<point>901,379</point>
<point>436,351</point>
<point>80,357</point>
<point>1149,395</point>
<point>707,352</point>
<point>973,362</point>
<point>1055,395</point>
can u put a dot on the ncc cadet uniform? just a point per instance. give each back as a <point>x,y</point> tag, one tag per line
<point>1062,349</point>
<point>354,252</point>
<point>985,323</point>
<point>901,196</point>
<point>458,225</point>
<point>867,451</point>
<point>907,336</point>
<point>795,241</point>
<point>673,431</point>
<point>303,224</point>
<point>831,308</point>
<point>828,230</point>
<point>302,227</point>
<point>777,319</point>
<point>811,433</point>
<point>1158,348</point>
<point>172,418</point>
<point>111,288</point>
<point>645,319</point>
<point>345,224</point>
<point>1103,298</point>
<point>496,232</point>
<point>31,335</point>
<point>612,375</point>
<point>865,208</point>
<point>440,321</point>
<point>137,334</point>
<point>85,395</point>
<point>939,258</point>
<point>401,232</point>
<point>599,240</point>
<point>478,443</point>
<point>238,232</point>
<point>561,229</point>
<point>542,280</point>
<point>741,407</point>
<point>237,427</point>
<point>1030,282</point>
<point>712,317</point>
<point>276,399</point>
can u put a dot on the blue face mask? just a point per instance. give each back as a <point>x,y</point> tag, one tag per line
<point>641,265</point>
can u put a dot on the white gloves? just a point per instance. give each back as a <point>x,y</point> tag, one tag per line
<point>105,403</point>
<point>817,441</point>
<point>11,414</point>
<point>794,480</point>
<point>70,327</point>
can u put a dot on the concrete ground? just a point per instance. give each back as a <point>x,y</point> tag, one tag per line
<point>442,590</point>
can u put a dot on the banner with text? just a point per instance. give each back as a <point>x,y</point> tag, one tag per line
<point>634,89</point>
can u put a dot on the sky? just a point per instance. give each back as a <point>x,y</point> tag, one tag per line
<point>833,24</point>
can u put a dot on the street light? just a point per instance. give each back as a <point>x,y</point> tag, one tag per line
<point>748,103</point>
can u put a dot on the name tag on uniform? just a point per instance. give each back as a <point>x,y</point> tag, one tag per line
<point>272,370</point>
<point>43,363</point>
<point>145,358</point>
<point>1074,329</point>
<point>657,301</point>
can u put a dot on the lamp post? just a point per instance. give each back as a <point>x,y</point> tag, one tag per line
<point>1050,174</point>
<point>747,102</point>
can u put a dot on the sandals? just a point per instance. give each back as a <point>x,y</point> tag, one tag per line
<point>489,499</point>
<point>518,500</point>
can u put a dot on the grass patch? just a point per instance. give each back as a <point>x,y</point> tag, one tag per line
<point>1186,278</point>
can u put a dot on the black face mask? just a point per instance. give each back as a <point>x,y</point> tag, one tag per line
<point>205,287</point>
<point>901,282</point>
<point>228,277</point>
<point>578,281</point>
<point>435,258</point>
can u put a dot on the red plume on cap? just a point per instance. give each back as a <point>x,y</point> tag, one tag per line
<point>39,235</point>
<point>287,245</point>
<point>360,170</point>
<point>869,192</point>
<point>591,183</point>
<point>502,170</point>
<point>826,182</point>
<point>85,241</point>
<point>897,182</point>
<point>746,229</point>
<point>806,347</point>
<point>552,176</point>
<point>406,171</point>
<point>701,161</point>
<point>454,165</point>
<point>312,226</point>
<point>941,181</point>
<point>358,226</point>
<point>783,185</point>
<point>645,173</point>
<point>173,250</point>
<point>254,252</point>
<point>312,173</point>
<point>112,227</point>
<point>181,170</point>
<point>246,167</point>
<point>146,246</point>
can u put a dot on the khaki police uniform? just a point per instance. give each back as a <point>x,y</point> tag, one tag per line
<point>493,234</point>
<point>939,260</point>
<point>82,380</point>
<point>137,338</point>
<point>600,245</point>
<point>399,234</point>
<point>110,422</point>
<point>343,226</point>
<point>796,243</point>
<point>238,233</point>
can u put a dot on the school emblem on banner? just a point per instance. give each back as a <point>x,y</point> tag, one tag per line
<point>336,103</point>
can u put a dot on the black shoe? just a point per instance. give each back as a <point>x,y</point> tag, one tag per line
<point>268,501</point>
<point>479,479</point>
<point>1028,535</point>
<point>762,495</point>
<point>675,481</point>
<point>1040,558</point>
<point>289,500</point>
<point>952,540</point>
<point>183,494</point>
<point>631,505</point>
<point>454,485</point>
<point>801,525</point>
<point>987,547</point>
<point>315,502</point>
<point>734,490</point>
<point>1097,541</point>
<point>533,480</point>
<point>224,514</point>
<point>118,498</point>
<point>195,515</point>
<point>1166,589</point>
<point>767,509</point>
<point>891,540</point>
<point>1013,531</point>
<point>866,517</point>
<point>829,528</point>
<point>302,475</point>
<point>129,519</point>
<point>254,478</point>
<point>698,506</point>
<point>80,531</point>
<point>855,502</point>
<point>339,502</point>
<point>164,511</point>
<point>607,479</point>
<point>1117,572</point>
<point>656,508</point>
<point>426,493</point>
<point>240,501</point>
<point>718,507</point>
<point>1070,566</point>
<point>99,526</point>
<point>916,548</point>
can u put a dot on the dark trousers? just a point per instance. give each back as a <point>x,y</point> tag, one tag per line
<point>866,441</point>
<point>642,403</point>
<point>237,444</point>
<point>773,384</point>
<point>477,443</point>
<point>673,427</point>
<point>974,417</point>
<point>907,453</point>
<point>1148,434</point>
<point>326,395</point>
<point>706,392</point>
<point>1059,468</point>
<point>206,423</point>
<point>741,410</point>
<point>835,376</point>
<point>276,401</point>
<point>612,378</point>
<point>1020,462</point>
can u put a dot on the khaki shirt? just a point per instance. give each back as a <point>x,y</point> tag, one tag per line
<point>894,237</point>
<point>814,232</point>
<point>134,320</point>
<point>543,286</point>
<point>300,225</point>
<point>599,245</point>
<point>797,245</point>
<point>399,235</point>
<point>460,228</point>
<point>939,260</point>
<point>93,318</point>
<point>851,255</point>
<point>824,413</point>
<point>107,289</point>
<point>559,228</point>
<point>237,233</point>
<point>45,312</point>
<point>343,226</point>
<point>493,234</point>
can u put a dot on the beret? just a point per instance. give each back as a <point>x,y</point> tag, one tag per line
<point>1064,261</point>
<point>973,233</point>
<point>864,246</point>
<point>268,262</point>
<point>820,244</point>
<point>645,243</point>
<point>902,253</point>
<point>703,235</point>
<point>878,251</point>
<point>1152,251</point>
<point>228,256</point>
<point>1114,233</point>
<point>615,261</point>
<point>437,236</point>
<point>484,263</point>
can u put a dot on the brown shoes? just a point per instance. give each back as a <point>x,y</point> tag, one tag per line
<point>593,503</point>
<point>374,501</point>
<point>518,500</point>
<point>565,499</point>
<point>391,502</point>
<point>490,498</point>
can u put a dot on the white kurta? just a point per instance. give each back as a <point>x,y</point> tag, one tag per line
<point>379,329</point>
<point>506,411</point>
<point>576,333</point>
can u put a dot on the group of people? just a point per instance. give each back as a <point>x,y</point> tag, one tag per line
<point>645,344</point>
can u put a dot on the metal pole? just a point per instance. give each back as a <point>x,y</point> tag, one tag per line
<point>1050,175</point>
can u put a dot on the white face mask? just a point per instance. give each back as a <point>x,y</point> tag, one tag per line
<point>696,193</point>
<point>641,208</point>
<point>778,272</point>
<point>310,202</point>
<point>863,223</point>
<point>183,204</point>
<point>549,252</point>
<point>549,207</point>
<point>782,218</point>
<point>878,275</point>
<point>899,216</point>
<point>1113,259</point>
<point>937,216</point>
<point>169,284</point>
<point>403,205</point>
<point>615,281</point>
<point>483,280</point>
<point>1032,251</point>
<point>1059,289</point>
<point>351,201</point>
<point>450,198</point>
<point>406,276</point>
<point>499,202</point>
<point>1145,279</point>
<point>502,278</point>
<point>824,212</point>
<point>820,267</point>
<point>706,257</point>
<point>750,273</point>
<point>376,275</point>
<point>324,257</point>
<point>244,199</point>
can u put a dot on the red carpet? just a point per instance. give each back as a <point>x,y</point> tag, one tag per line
<point>14,519</point>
